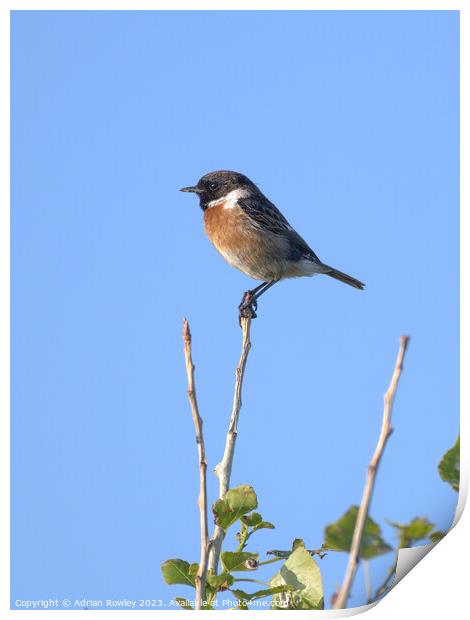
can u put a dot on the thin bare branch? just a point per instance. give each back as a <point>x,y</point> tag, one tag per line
<point>200,580</point>
<point>386,431</point>
<point>367,583</point>
<point>223,470</point>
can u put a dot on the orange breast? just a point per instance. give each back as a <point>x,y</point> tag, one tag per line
<point>226,228</point>
<point>259,254</point>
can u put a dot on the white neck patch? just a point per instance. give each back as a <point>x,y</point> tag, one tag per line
<point>229,200</point>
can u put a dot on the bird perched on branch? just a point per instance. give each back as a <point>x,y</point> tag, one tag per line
<point>252,235</point>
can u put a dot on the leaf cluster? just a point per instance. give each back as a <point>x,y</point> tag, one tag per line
<point>297,585</point>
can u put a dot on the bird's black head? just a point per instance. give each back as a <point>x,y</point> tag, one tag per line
<point>217,185</point>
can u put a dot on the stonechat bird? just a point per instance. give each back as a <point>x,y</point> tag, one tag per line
<point>252,235</point>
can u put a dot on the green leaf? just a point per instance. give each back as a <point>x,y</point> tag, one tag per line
<point>183,602</point>
<point>239,561</point>
<point>193,568</point>
<point>264,525</point>
<point>253,596</point>
<point>449,467</point>
<point>437,536</point>
<point>338,536</point>
<point>236,503</point>
<point>301,573</point>
<point>412,532</point>
<point>255,520</point>
<point>252,519</point>
<point>178,571</point>
<point>243,597</point>
<point>270,591</point>
<point>221,582</point>
<point>279,553</point>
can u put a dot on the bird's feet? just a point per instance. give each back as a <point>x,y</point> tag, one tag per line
<point>248,306</point>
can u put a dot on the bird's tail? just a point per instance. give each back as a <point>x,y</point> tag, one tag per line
<point>343,277</point>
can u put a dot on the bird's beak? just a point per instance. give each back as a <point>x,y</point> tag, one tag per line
<point>193,189</point>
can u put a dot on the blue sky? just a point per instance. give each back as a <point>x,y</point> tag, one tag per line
<point>348,121</point>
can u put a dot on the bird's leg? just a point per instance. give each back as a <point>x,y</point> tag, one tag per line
<point>249,303</point>
<point>249,297</point>
<point>260,290</point>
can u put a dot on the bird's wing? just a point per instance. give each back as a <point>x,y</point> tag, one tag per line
<point>266,216</point>
<point>263,214</point>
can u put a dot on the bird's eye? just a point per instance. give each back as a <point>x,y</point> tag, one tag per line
<point>212,186</point>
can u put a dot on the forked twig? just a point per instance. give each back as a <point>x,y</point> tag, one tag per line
<point>342,597</point>
<point>200,580</point>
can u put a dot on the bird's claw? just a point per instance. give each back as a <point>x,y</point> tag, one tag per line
<point>247,308</point>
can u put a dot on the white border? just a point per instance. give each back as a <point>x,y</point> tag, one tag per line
<point>439,585</point>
